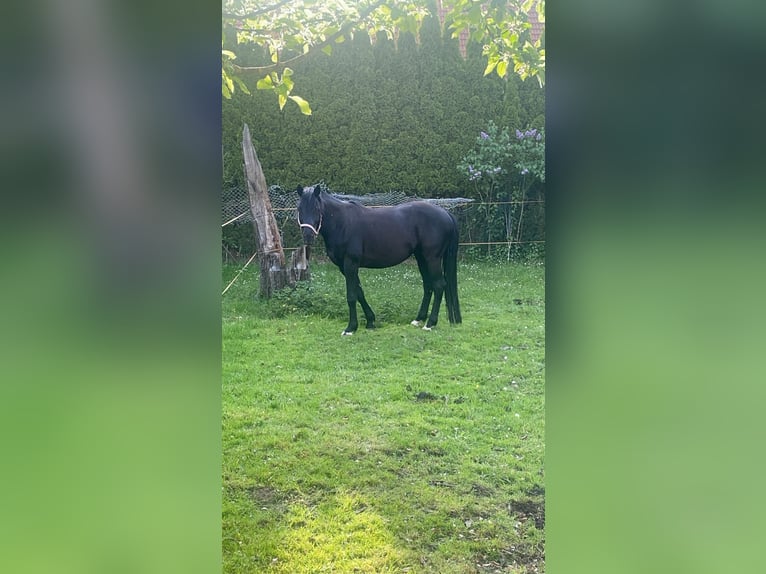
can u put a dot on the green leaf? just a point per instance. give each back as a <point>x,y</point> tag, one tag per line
<point>282,92</point>
<point>287,81</point>
<point>265,83</point>
<point>491,66</point>
<point>474,14</point>
<point>241,84</point>
<point>502,66</point>
<point>229,54</point>
<point>328,49</point>
<point>302,104</point>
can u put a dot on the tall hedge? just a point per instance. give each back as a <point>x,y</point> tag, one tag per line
<point>384,117</point>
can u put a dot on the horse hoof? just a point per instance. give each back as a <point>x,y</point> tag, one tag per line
<point>416,323</point>
<point>346,333</point>
<point>426,328</point>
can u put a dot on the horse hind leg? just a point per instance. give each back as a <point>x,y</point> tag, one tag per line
<point>439,283</point>
<point>427,291</point>
<point>369,315</point>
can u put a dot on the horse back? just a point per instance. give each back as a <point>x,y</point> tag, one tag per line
<point>431,225</point>
<point>386,236</point>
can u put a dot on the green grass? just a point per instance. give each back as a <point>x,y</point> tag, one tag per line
<point>396,449</point>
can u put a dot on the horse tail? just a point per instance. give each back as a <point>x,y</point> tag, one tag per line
<point>450,275</point>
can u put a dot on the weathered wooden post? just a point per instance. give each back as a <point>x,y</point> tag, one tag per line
<point>274,274</point>
<point>299,266</point>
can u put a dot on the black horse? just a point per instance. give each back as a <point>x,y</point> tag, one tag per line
<point>356,236</point>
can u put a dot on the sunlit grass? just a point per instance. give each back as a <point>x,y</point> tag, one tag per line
<point>395,450</point>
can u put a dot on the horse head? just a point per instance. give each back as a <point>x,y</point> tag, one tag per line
<point>309,212</point>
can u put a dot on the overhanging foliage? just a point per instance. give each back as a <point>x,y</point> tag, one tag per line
<point>289,30</point>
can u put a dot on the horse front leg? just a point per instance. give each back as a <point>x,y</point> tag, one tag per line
<point>351,272</point>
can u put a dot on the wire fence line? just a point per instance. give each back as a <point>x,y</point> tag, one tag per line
<point>239,273</point>
<point>478,203</point>
<point>236,203</point>
<point>476,231</point>
<point>233,219</point>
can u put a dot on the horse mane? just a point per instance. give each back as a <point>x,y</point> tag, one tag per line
<point>342,198</point>
<point>347,199</point>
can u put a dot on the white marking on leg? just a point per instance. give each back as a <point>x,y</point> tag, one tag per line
<point>416,323</point>
<point>346,333</point>
<point>426,328</point>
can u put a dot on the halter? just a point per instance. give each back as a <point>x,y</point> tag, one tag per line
<point>311,227</point>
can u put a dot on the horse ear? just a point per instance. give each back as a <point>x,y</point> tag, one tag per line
<point>299,190</point>
<point>317,190</point>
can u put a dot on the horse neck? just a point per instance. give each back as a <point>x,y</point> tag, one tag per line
<point>332,203</point>
<point>332,214</point>
<point>332,208</point>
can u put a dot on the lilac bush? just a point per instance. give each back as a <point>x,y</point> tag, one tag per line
<point>529,153</point>
<point>502,167</point>
<point>489,159</point>
<point>496,154</point>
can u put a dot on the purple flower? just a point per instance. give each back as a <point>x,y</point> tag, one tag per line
<point>539,137</point>
<point>484,135</point>
<point>524,171</point>
<point>519,135</point>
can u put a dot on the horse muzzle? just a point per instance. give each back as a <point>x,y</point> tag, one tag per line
<point>309,233</point>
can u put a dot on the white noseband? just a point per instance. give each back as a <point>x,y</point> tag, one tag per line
<point>311,227</point>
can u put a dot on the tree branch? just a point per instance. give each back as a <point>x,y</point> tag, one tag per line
<point>326,42</point>
<point>257,11</point>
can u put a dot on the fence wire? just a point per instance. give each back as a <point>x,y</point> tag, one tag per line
<point>500,227</point>
<point>236,205</point>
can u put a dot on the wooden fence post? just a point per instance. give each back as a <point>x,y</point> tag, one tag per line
<point>271,256</point>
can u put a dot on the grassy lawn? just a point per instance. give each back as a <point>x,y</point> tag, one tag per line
<point>396,449</point>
